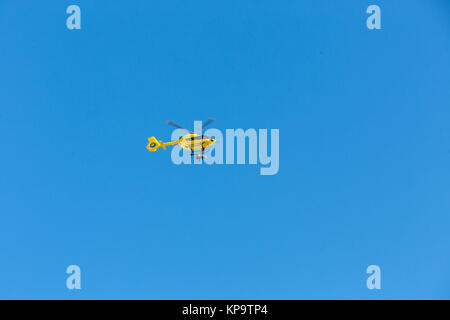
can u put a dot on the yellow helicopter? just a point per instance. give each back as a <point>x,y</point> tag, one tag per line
<point>193,142</point>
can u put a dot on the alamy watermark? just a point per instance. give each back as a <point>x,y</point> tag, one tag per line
<point>74,20</point>
<point>374,20</point>
<point>74,280</point>
<point>235,145</point>
<point>374,280</point>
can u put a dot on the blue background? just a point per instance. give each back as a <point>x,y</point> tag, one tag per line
<point>364,150</point>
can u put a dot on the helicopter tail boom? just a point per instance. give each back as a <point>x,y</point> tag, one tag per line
<point>154,144</point>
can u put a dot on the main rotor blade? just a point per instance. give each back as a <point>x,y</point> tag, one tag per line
<point>208,122</point>
<point>177,126</point>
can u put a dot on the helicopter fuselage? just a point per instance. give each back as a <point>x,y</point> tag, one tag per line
<point>195,141</point>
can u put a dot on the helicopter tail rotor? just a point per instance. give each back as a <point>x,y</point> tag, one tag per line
<point>153,144</point>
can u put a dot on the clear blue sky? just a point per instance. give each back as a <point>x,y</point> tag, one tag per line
<point>364,149</point>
